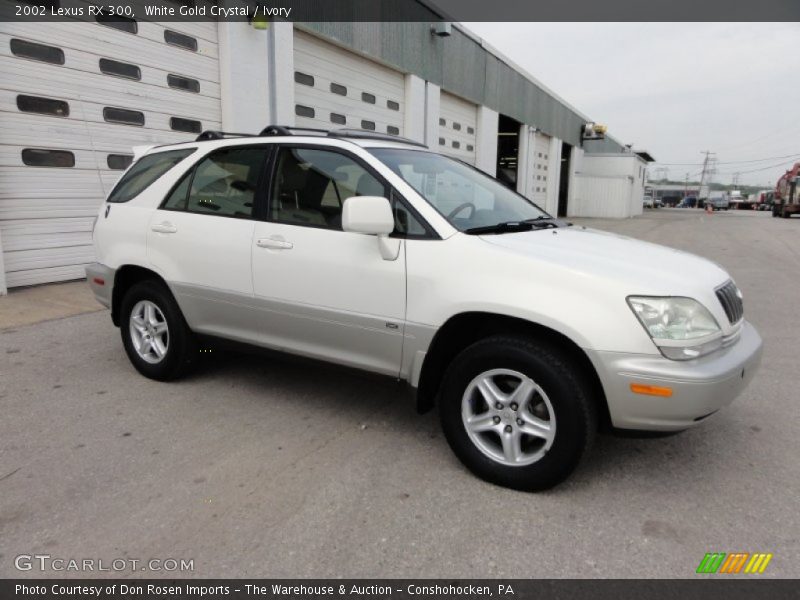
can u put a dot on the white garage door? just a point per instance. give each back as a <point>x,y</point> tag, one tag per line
<point>74,98</point>
<point>540,175</point>
<point>336,88</point>
<point>457,125</point>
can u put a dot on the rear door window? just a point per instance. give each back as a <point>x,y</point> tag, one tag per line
<point>145,171</point>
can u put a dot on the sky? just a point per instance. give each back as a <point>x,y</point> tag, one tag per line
<point>675,89</point>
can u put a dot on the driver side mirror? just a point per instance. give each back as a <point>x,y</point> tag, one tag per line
<point>367,214</point>
<point>372,215</point>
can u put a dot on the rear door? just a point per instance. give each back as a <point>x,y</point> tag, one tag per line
<point>324,292</point>
<point>200,239</point>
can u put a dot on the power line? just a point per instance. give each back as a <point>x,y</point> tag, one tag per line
<point>775,166</point>
<point>729,162</point>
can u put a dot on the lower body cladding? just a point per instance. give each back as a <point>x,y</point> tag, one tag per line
<point>101,281</point>
<point>675,395</point>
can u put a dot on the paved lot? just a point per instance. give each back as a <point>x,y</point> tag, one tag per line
<point>270,466</point>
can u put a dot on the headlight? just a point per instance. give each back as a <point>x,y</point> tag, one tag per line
<point>682,328</point>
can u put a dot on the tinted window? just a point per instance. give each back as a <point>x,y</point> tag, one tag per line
<point>311,186</point>
<point>118,22</point>
<point>470,130</point>
<point>119,162</point>
<point>303,78</point>
<point>180,194</point>
<point>304,111</point>
<point>393,130</point>
<point>120,69</point>
<point>45,106</point>
<point>338,119</point>
<point>183,83</point>
<point>338,89</point>
<point>457,126</point>
<point>48,54</point>
<point>456,144</point>
<point>442,122</point>
<point>35,157</point>
<point>224,183</point>
<point>368,98</point>
<point>392,105</point>
<point>146,170</point>
<point>187,125</point>
<point>124,116</point>
<point>179,39</point>
<point>370,125</point>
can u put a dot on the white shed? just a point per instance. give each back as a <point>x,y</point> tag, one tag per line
<point>609,185</point>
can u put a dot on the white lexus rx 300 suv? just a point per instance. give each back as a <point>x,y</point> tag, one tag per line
<point>376,253</point>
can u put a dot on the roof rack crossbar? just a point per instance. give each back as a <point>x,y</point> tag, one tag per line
<point>343,132</point>
<point>372,135</point>
<point>288,130</point>
<point>219,135</point>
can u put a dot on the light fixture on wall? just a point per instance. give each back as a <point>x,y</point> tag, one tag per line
<point>592,131</point>
<point>442,29</point>
<point>259,21</point>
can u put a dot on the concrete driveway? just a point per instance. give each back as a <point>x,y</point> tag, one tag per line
<point>268,466</point>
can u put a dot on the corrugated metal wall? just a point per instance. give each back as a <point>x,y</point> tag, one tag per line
<point>460,65</point>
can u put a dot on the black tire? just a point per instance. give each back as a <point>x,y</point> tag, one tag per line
<point>568,393</point>
<point>181,349</point>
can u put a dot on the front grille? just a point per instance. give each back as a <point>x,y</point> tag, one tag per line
<point>731,300</point>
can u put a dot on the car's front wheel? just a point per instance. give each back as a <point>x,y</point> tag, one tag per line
<point>154,333</point>
<point>516,412</point>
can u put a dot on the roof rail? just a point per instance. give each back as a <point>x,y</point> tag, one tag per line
<point>343,132</point>
<point>219,135</point>
<point>289,130</point>
<point>372,135</point>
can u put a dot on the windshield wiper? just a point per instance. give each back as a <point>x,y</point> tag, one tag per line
<point>540,222</point>
<point>504,227</point>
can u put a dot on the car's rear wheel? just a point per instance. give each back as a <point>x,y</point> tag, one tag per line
<point>516,412</point>
<point>154,333</point>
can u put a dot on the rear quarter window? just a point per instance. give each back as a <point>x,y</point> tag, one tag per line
<point>145,171</point>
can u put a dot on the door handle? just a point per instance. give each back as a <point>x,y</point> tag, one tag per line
<point>165,227</point>
<point>274,244</point>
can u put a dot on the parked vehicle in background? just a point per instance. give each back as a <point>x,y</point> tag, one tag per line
<point>719,200</point>
<point>648,202</point>
<point>349,246</point>
<point>764,200</point>
<point>657,202</point>
<point>688,202</point>
<point>785,200</point>
<point>738,201</point>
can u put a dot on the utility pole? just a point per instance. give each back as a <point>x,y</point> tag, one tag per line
<point>736,181</point>
<point>708,172</point>
<point>686,186</point>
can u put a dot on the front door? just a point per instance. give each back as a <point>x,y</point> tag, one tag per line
<point>324,292</point>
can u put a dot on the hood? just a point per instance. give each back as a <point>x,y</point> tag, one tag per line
<point>648,268</point>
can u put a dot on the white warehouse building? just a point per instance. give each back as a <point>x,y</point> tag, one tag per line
<point>77,96</point>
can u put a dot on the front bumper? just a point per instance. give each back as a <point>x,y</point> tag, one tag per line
<point>699,387</point>
<point>103,292</point>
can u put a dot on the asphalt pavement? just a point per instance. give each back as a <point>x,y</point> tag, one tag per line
<point>270,466</point>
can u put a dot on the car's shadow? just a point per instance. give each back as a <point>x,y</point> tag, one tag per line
<point>363,396</point>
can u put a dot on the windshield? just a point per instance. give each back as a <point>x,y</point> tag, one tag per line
<point>464,196</point>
